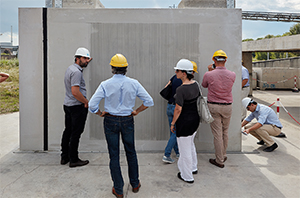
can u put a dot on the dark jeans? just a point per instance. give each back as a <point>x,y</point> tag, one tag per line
<point>113,127</point>
<point>75,117</point>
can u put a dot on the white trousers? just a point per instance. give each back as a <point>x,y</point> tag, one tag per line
<point>187,162</point>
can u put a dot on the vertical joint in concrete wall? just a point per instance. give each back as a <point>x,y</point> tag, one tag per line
<point>45,46</point>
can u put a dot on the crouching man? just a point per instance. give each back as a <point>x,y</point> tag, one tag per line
<point>267,123</point>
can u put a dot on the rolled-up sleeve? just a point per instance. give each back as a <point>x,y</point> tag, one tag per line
<point>144,96</point>
<point>250,117</point>
<point>96,98</point>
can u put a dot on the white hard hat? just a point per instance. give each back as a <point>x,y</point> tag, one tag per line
<point>245,102</point>
<point>185,64</point>
<point>83,52</point>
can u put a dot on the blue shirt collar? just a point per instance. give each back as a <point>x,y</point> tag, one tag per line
<point>257,108</point>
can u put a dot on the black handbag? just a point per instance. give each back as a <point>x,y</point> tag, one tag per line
<point>166,92</point>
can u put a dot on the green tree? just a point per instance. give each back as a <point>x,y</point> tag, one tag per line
<point>269,36</point>
<point>248,40</point>
<point>295,29</point>
<point>287,34</point>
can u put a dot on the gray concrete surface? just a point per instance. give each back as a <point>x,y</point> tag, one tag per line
<point>152,40</point>
<point>285,44</point>
<point>250,173</point>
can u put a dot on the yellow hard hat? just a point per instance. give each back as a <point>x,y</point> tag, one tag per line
<point>219,53</point>
<point>194,66</point>
<point>118,60</point>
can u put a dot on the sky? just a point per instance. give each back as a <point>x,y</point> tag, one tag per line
<point>250,29</point>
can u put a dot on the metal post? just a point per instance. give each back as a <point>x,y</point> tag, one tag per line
<point>278,107</point>
<point>49,3</point>
<point>58,3</point>
<point>295,89</point>
<point>11,35</point>
<point>230,3</point>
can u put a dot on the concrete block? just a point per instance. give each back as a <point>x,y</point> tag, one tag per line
<point>203,4</point>
<point>276,77</point>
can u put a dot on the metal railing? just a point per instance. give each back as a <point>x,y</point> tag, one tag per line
<point>271,16</point>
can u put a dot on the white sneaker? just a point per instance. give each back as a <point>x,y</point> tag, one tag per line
<point>168,160</point>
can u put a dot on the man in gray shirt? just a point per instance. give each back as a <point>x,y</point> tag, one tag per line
<point>75,108</point>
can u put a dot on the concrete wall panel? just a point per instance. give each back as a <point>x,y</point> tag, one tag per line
<point>152,40</point>
<point>277,77</point>
<point>31,79</point>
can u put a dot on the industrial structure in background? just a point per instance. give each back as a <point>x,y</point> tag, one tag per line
<point>8,50</point>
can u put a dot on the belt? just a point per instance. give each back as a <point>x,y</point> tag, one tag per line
<point>117,116</point>
<point>277,127</point>
<point>245,86</point>
<point>219,103</point>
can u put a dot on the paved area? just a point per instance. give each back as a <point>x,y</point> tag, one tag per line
<point>250,173</point>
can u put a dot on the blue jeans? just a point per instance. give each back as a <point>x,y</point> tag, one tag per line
<point>172,143</point>
<point>113,127</point>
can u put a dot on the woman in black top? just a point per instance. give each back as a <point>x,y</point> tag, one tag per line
<point>186,119</point>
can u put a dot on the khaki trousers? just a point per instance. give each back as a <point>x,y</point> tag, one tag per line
<point>219,128</point>
<point>264,132</point>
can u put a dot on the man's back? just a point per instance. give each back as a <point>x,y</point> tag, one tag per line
<point>120,93</point>
<point>219,83</point>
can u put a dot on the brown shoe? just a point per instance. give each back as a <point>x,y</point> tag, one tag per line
<point>213,161</point>
<point>225,158</point>
<point>135,190</point>
<point>115,193</point>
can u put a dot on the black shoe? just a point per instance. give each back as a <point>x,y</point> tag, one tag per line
<point>195,172</point>
<point>281,135</point>
<point>78,163</point>
<point>64,161</point>
<point>261,142</point>
<point>271,148</point>
<point>179,176</point>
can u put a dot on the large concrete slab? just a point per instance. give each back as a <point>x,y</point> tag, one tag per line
<point>282,44</point>
<point>152,40</point>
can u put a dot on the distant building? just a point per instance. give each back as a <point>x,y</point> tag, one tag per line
<point>8,48</point>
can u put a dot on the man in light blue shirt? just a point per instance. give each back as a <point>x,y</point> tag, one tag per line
<point>245,88</point>
<point>267,123</point>
<point>120,93</point>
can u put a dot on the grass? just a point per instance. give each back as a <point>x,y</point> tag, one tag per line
<point>9,89</point>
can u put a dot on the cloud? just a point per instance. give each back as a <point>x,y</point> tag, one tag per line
<point>269,5</point>
<point>6,37</point>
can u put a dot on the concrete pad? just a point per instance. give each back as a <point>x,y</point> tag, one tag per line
<point>250,173</point>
